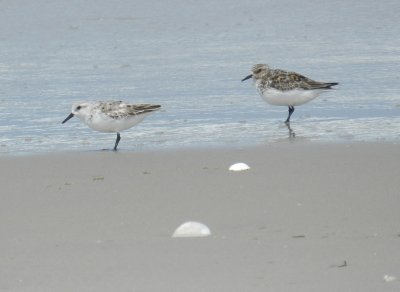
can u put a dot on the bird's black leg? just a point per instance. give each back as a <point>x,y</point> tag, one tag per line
<point>117,141</point>
<point>291,110</point>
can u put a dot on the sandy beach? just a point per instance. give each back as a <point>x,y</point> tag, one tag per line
<point>305,217</point>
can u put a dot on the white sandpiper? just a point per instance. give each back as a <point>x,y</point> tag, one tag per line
<point>111,116</point>
<point>279,87</point>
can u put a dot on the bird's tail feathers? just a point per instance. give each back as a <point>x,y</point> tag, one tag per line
<point>324,85</point>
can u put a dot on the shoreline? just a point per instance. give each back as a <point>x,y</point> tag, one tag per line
<point>213,147</point>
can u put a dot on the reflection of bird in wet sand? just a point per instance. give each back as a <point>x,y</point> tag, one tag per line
<point>292,134</point>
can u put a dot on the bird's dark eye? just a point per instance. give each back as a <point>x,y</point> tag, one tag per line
<point>78,107</point>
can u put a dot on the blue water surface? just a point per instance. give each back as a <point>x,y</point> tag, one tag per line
<point>189,56</point>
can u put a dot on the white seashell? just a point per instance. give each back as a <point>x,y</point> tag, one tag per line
<point>192,229</point>
<point>389,278</point>
<point>239,167</point>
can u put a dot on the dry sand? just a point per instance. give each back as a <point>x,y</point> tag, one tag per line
<point>304,218</point>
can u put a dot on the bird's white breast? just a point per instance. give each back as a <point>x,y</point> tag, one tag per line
<point>101,122</point>
<point>289,97</point>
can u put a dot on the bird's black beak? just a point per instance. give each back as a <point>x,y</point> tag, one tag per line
<point>247,77</point>
<point>70,116</point>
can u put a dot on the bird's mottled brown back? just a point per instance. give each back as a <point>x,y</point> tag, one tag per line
<point>267,78</point>
<point>282,80</point>
<point>120,109</point>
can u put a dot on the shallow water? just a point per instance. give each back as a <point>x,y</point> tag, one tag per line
<point>190,57</point>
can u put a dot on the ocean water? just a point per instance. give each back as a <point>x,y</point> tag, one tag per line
<point>189,56</point>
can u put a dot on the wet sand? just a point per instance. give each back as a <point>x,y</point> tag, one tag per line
<point>305,217</point>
